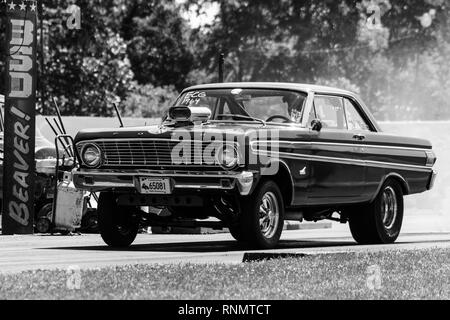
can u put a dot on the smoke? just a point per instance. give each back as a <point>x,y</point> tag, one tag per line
<point>429,209</point>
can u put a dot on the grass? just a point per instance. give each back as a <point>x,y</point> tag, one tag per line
<point>422,274</point>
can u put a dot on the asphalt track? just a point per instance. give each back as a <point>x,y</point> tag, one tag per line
<point>20,253</point>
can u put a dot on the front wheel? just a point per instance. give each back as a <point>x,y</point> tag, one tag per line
<point>262,216</point>
<point>380,221</point>
<point>118,224</point>
<point>237,233</point>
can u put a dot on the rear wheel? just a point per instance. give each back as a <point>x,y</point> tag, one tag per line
<point>380,221</point>
<point>118,224</point>
<point>262,216</point>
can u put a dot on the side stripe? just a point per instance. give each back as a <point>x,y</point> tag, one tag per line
<point>369,163</point>
<point>310,143</point>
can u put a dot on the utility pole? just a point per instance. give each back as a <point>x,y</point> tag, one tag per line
<point>221,63</point>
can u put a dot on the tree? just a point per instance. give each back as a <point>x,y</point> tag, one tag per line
<point>138,51</point>
<point>155,35</point>
<point>87,69</point>
<point>146,101</point>
<point>281,41</point>
<point>332,42</point>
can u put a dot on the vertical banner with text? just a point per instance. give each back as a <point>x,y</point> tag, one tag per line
<point>19,134</point>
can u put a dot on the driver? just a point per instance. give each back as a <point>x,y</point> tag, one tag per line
<point>295,106</point>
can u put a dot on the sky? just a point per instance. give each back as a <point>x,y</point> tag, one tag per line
<point>206,17</point>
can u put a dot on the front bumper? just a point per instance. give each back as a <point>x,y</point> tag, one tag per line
<point>95,180</point>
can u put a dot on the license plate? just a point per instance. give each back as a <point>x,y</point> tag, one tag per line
<point>154,186</point>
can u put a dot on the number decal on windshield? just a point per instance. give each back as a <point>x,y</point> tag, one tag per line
<point>193,98</point>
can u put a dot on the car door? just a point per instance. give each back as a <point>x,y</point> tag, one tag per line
<point>362,129</point>
<point>337,168</point>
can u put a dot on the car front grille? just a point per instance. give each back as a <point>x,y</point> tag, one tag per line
<point>152,153</point>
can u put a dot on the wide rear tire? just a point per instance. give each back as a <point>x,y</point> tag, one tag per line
<point>118,225</point>
<point>379,222</point>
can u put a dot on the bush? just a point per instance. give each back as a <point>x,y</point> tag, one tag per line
<point>147,101</point>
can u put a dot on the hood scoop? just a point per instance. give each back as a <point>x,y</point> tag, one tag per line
<point>185,115</point>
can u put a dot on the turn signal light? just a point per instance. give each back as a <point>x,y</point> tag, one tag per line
<point>431,158</point>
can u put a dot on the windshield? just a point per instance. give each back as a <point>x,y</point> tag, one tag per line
<point>246,104</point>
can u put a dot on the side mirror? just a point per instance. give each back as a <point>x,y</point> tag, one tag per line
<point>316,125</point>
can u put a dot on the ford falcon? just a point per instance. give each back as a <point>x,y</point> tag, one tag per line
<point>252,156</point>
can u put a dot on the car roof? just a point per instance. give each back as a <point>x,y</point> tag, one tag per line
<point>289,86</point>
<point>272,85</point>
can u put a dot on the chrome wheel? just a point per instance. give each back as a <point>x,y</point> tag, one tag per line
<point>389,207</point>
<point>269,215</point>
<point>380,221</point>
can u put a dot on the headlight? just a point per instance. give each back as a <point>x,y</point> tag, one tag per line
<point>227,156</point>
<point>91,155</point>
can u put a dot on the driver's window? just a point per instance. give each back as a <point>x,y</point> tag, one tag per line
<point>330,111</point>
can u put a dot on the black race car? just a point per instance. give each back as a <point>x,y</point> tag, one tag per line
<point>254,155</point>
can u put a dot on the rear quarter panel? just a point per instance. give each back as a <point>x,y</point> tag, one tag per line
<point>402,157</point>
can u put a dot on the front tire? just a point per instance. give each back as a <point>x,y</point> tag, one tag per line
<point>262,216</point>
<point>118,225</point>
<point>237,233</point>
<point>380,221</point>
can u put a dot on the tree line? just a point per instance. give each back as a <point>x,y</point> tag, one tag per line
<point>142,53</point>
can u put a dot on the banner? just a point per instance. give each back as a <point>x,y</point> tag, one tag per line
<point>19,134</point>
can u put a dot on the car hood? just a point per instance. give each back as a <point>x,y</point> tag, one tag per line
<point>165,132</point>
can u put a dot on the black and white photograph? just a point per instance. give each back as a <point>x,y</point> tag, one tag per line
<point>225,157</point>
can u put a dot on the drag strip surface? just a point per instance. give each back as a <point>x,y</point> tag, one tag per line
<point>20,253</point>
